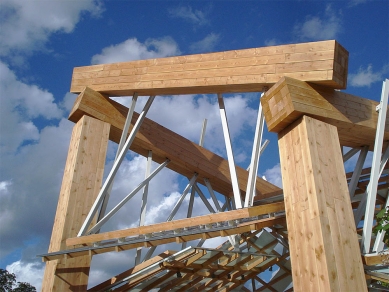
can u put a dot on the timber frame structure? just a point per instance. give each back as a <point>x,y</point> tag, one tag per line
<point>315,234</point>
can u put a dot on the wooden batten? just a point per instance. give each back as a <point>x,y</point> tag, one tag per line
<point>355,117</point>
<point>186,157</point>
<point>323,242</point>
<point>81,183</point>
<point>248,70</point>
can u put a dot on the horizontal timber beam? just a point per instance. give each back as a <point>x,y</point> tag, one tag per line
<point>181,223</point>
<point>91,250</point>
<point>324,62</point>
<point>186,157</point>
<point>355,117</point>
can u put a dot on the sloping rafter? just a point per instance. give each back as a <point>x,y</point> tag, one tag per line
<point>185,156</point>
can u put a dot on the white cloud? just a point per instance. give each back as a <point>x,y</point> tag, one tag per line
<point>273,175</point>
<point>356,2</point>
<point>319,28</point>
<point>31,273</point>
<point>272,42</point>
<point>4,185</point>
<point>20,103</point>
<point>207,44</point>
<point>190,111</point>
<point>132,49</point>
<point>366,77</point>
<point>27,25</point>
<point>196,17</point>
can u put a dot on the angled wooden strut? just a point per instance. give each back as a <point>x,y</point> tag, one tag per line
<point>324,62</point>
<point>355,117</point>
<point>81,183</point>
<point>186,157</point>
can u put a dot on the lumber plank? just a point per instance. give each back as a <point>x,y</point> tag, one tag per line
<point>323,242</point>
<point>247,70</point>
<point>240,228</point>
<point>186,157</point>
<point>355,117</point>
<point>375,258</point>
<point>181,223</point>
<point>80,185</point>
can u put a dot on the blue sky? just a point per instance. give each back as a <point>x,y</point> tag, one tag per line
<point>41,42</point>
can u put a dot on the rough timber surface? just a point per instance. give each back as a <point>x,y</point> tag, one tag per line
<point>355,117</point>
<point>324,62</point>
<point>186,157</point>
<point>323,241</point>
<point>81,183</point>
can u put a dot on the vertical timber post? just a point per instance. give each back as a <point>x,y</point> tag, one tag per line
<point>80,185</point>
<point>324,248</point>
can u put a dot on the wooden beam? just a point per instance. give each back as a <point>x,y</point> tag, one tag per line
<point>176,224</point>
<point>323,62</point>
<point>375,259</point>
<point>355,117</point>
<point>240,228</point>
<point>186,157</point>
<point>323,242</point>
<point>80,185</point>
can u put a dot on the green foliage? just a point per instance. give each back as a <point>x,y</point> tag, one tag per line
<point>383,224</point>
<point>8,283</point>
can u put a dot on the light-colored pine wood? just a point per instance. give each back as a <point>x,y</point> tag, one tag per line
<point>241,228</point>
<point>181,223</point>
<point>248,70</point>
<point>186,157</point>
<point>81,182</point>
<point>355,117</point>
<point>323,242</point>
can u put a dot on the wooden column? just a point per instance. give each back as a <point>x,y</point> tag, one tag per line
<point>80,185</point>
<point>324,248</point>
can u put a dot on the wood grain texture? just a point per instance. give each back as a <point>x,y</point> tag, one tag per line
<point>323,241</point>
<point>323,62</point>
<point>186,157</point>
<point>355,117</point>
<point>240,228</point>
<point>181,223</point>
<point>80,185</point>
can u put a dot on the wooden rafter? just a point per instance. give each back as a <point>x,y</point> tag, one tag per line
<point>186,157</point>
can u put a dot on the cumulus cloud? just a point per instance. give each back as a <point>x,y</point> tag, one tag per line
<point>132,49</point>
<point>316,28</point>
<point>27,25</point>
<point>27,272</point>
<point>20,104</point>
<point>190,111</point>
<point>366,76</point>
<point>273,175</point>
<point>194,16</point>
<point>207,44</point>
